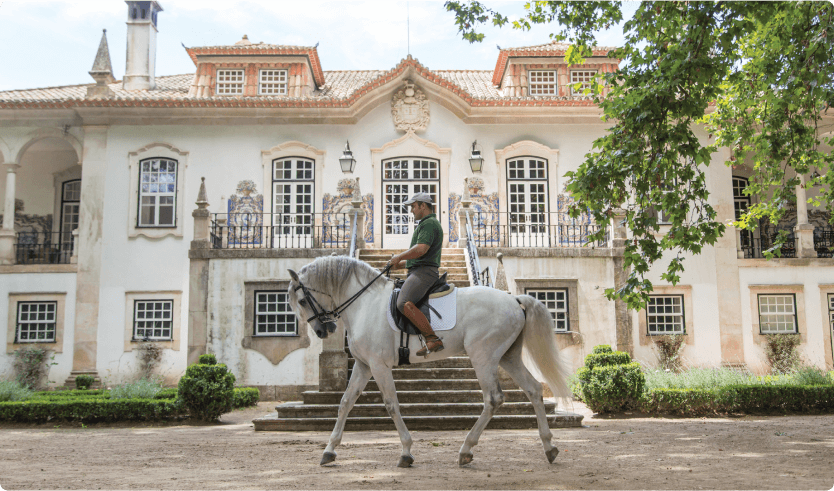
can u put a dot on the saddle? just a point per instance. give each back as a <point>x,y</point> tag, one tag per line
<point>402,321</point>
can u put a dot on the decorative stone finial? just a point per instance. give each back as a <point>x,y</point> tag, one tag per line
<point>501,275</point>
<point>244,41</point>
<point>357,195</point>
<point>102,72</point>
<point>202,199</point>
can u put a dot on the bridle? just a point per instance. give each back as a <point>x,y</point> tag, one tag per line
<point>328,317</point>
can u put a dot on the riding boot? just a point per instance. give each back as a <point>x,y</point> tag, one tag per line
<point>433,343</point>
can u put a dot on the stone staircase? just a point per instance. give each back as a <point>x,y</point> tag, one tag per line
<point>438,395</point>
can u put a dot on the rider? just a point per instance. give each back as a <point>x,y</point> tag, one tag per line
<point>422,261</point>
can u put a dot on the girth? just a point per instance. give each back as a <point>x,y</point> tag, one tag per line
<point>402,321</point>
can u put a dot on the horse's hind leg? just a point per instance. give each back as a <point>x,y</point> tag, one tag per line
<point>493,398</point>
<point>385,381</point>
<point>511,362</point>
<point>358,379</point>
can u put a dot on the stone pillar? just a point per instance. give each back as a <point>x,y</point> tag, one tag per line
<point>198,273</point>
<point>739,250</point>
<point>7,233</point>
<point>358,215</point>
<point>804,231</point>
<point>465,203</point>
<point>89,255</point>
<point>622,316</point>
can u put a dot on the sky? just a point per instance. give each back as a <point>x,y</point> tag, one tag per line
<point>48,43</point>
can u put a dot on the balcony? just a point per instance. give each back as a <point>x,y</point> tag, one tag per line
<point>754,247</point>
<point>43,248</point>
<point>536,230</point>
<point>280,231</point>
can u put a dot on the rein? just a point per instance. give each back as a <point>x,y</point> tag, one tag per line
<point>327,317</point>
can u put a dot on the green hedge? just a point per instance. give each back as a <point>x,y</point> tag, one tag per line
<point>75,393</point>
<point>607,359</point>
<point>740,398</point>
<point>611,388</point>
<point>88,409</point>
<point>246,397</point>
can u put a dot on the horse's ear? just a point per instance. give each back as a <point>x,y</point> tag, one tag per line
<point>294,275</point>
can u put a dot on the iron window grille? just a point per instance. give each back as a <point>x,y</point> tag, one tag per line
<point>157,193</point>
<point>273,314</point>
<point>36,322</point>
<point>153,320</point>
<point>230,82</point>
<point>584,77</point>
<point>665,315</point>
<point>272,82</point>
<point>777,313</point>
<point>542,82</point>
<point>556,301</point>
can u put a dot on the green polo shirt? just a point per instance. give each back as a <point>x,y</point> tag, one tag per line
<point>428,232</point>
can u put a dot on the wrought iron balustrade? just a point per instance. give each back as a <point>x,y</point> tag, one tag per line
<point>755,247</point>
<point>824,242</point>
<point>509,229</point>
<point>280,230</point>
<point>43,248</point>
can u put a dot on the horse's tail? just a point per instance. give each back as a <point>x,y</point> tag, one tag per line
<point>540,344</point>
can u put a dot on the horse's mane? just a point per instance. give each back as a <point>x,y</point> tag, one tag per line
<point>329,273</point>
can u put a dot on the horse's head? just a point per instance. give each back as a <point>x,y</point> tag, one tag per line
<point>307,307</point>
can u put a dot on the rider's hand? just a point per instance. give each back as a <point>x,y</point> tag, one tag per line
<point>393,261</point>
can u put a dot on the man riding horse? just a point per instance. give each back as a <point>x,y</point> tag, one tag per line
<point>422,260</point>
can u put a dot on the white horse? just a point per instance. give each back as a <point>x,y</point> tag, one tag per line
<point>492,327</point>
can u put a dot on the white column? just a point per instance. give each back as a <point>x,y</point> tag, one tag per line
<point>804,231</point>
<point>7,233</point>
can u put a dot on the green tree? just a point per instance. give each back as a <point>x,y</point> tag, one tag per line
<point>756,77</point>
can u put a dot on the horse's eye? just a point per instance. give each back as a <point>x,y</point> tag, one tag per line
<point>303,302</point>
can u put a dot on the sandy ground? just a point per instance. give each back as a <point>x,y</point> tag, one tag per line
<point>773,452</point>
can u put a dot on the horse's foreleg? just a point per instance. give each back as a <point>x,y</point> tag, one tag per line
<point>493,398</point>
<point>511,362</point>
<point>358,380</point>
<point>385,381</point>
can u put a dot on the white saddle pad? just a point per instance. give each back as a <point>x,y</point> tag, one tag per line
<point>447,306</point>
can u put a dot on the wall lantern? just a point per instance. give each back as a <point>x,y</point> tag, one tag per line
<point>346,160</point>
<point>476,162</point>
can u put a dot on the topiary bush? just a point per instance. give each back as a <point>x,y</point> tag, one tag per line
<point>83,382</point>
<point>609,381</point>
<point>246,397</point>
<point>207,389</point>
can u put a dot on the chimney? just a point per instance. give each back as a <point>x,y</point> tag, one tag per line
<point>141,45</point>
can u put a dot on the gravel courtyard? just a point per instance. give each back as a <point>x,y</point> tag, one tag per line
<point>773,452</point>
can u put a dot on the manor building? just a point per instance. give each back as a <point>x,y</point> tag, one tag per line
<point>168,209</point>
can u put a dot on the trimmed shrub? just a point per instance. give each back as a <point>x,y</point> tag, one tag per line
<point>207,359</point>
<point>83,382</point>
<point>141,389</point>
<point>13,391</point>
<point>69,394</point>
<point>207,390</point>
<point>607,359</point>
<point>246,397</point>
<point>684,402</point>
<point>778,398</point>
<point>612,388</point>
<point>601,348</point>
<point>40,410</point>
<point>169,393</point>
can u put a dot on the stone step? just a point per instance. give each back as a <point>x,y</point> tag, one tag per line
<point>439,384</point>
<point>298,410</point>
<point>70,382</point>
<point>273,422</point>
<point>451,362</point>
<point>442,374</point>
<point>414,396</point>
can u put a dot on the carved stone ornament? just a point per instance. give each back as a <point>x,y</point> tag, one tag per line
<point>410,109</point>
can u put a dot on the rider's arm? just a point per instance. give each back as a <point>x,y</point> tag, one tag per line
<point>418,251</point>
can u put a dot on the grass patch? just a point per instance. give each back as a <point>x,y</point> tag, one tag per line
<point>13,391</point>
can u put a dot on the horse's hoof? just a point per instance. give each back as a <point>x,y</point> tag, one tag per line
<point>551,454</point>
<point>327,458</point>
<point>464,459</point>
<point>405,461</point>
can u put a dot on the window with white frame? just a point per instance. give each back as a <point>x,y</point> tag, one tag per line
<point>542,82</point>
<point>70,205</point>
<point>273,314</point>
<point>293,219</point>
<point>556,301</point>
<point>153,320</point>
<point>157,193</point>
<point>229,82</point>
<point>777,313</point>
<point>584,77</point>
<point>528,202</point>
<point>741,201</point>
<point>665,315</point>
<point>36,322</point>
<point>272,82</point>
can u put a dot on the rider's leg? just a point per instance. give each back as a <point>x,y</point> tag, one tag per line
<point>385,382</point>
<point>358,380</point>
<point>416,285</point>
<point>511,362</point>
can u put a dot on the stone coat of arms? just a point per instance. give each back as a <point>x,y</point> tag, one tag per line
<point>410,109</point>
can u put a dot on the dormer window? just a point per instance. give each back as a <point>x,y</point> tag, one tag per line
<point>229,82</point>
<point>542,83</point>
<point>584,77</point>
<point>272,82</point>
